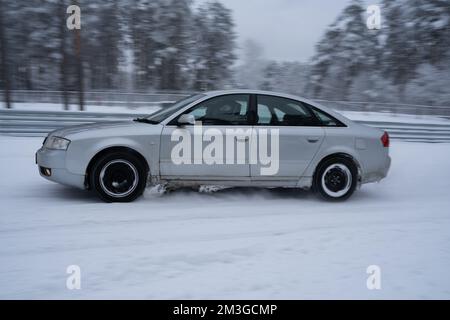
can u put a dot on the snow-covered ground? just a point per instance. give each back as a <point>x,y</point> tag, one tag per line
<point>236,243</point>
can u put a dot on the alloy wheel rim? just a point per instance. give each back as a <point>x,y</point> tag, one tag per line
<point>336,180</point>
<point>119,178</point>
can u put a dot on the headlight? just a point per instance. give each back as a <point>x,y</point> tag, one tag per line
<point>56,143</point>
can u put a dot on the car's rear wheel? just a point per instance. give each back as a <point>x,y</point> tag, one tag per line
<point>336,178</point>
<point>118,177</point>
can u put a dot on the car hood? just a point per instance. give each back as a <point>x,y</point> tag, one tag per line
<point>107,129</point>
<point>63,132</point>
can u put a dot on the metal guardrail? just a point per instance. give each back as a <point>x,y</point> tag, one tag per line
<point>97,98</point>
<point>414,132</point>
<point>39,123</point>
<point>142,99</point>
<point>386,107</point>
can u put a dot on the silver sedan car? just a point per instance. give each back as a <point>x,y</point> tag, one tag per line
<point>229,138</point>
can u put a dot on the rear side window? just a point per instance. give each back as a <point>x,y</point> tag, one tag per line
<point>277,111</point>
<point>325,119</point>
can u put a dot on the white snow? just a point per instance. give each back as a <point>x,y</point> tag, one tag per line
<point>235,243</point>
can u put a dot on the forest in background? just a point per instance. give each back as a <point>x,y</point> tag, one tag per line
<point>407,60</point>
<point>151,45</point>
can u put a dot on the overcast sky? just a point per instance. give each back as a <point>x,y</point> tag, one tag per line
<point>287,29</point>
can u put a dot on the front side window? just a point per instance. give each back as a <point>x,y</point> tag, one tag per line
<point>222,111</point>
<point>277,111</point>
<point>162,114</point>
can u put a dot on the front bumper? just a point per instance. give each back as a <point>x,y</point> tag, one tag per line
<point>55,160</point>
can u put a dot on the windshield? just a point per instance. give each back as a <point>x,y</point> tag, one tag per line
<point>163,113</point>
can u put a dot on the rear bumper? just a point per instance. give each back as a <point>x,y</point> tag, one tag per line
<point>379,174</point>
<point>55,161</point>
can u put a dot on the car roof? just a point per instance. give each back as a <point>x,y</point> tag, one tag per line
<point>250,91</point>
<point>215,93</point>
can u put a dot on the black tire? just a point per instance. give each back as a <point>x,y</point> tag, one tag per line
<point>336,178</point>
<point>118,177</point>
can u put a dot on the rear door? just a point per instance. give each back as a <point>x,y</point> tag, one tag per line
<point>299,138</point>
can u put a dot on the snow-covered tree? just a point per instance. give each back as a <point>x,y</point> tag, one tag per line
<point>174,22</point>
<point>102,42</point>
<point>431,22</point>
<point>353,62</point>
<point>32,45</point>
<point>401,49</point>
<point>142,27</point>
<point>160,33</point>
<point>213,46</point>
<point>250,72</point>
<point>5,82</point>
<point>347,49</point>
<point>289,77</point>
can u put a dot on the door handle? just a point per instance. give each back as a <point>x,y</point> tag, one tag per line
<point>312,139</point>
<point>241,139</point>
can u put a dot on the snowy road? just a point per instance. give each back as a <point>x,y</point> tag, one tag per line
<point>236,243</point>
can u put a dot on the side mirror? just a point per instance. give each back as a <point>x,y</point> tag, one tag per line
<point>186,119</point>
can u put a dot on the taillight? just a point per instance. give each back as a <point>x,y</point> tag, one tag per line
<point>385,139</point>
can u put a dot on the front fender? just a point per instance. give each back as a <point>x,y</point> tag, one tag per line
<point>80,152</point>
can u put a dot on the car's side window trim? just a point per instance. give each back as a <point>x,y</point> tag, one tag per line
<point>173,122</point>
<point>252,110</point>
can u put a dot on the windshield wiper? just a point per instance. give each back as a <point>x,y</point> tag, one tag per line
<point>145,120</point>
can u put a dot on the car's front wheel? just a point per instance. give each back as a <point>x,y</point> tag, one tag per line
<point>336,178</point>
<point>118,177</point>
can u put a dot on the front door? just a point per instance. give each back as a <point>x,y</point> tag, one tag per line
<point>216,148</point>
